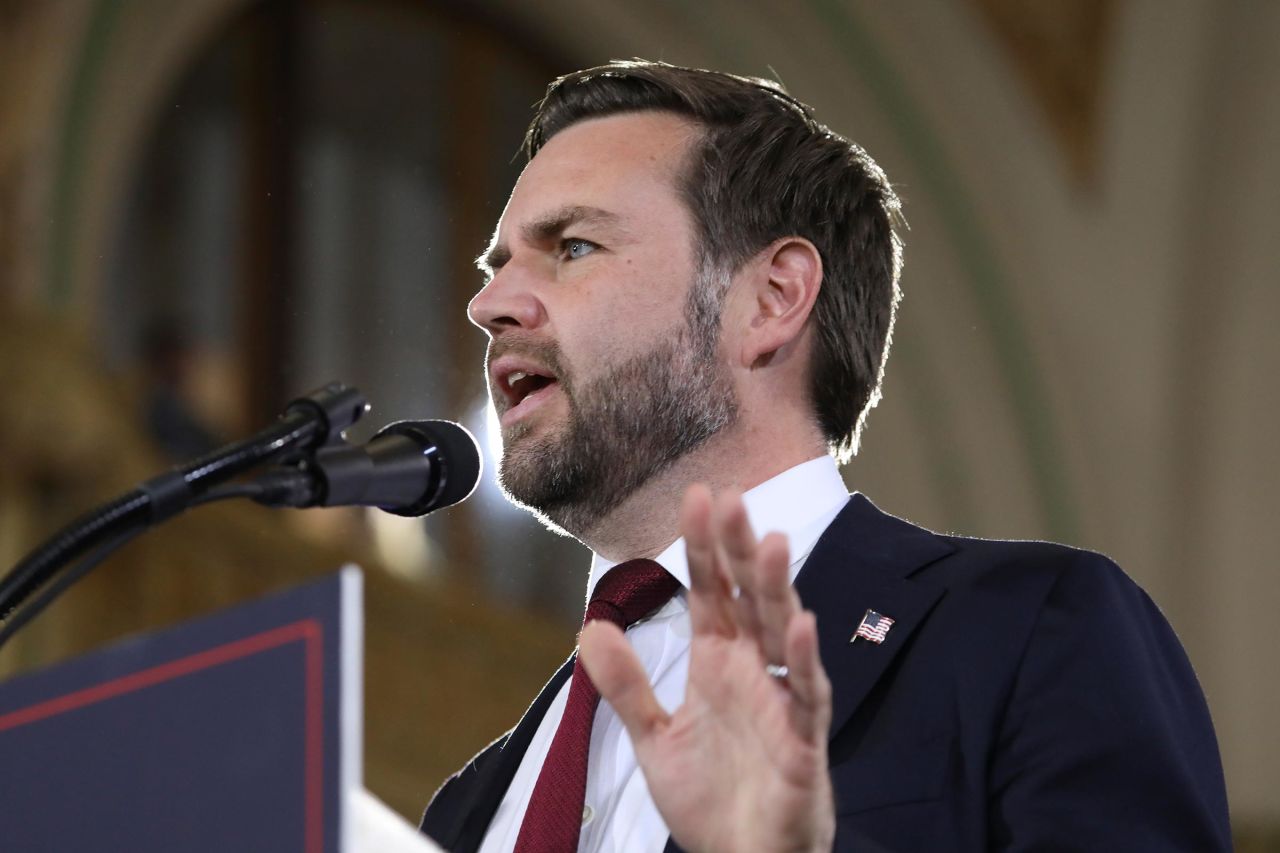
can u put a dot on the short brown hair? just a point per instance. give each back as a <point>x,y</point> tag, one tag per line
<point>765,169</point>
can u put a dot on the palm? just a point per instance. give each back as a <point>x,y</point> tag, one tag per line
<point>730,751</point>
<point>741,765</point>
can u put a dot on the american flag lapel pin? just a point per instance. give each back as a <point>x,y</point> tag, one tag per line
<point>873,627</point>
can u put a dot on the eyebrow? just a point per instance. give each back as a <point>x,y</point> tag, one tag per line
<point>545,228</point>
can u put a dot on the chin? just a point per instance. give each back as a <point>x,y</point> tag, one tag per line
<point>523,491</point>
<point>524,434</point>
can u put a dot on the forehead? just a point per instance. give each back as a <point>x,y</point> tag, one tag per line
<point>625,164</point>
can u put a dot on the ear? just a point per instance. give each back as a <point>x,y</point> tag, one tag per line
<point>784,286</point>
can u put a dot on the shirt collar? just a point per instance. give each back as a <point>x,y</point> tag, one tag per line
<point>799,503</point>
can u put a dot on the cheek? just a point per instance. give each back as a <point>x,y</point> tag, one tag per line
<point>655,304</point>
<point>637,327</point>
<point>624,313</point>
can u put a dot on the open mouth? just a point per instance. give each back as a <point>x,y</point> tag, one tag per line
<point>522,389</point>
<point>521,384</point>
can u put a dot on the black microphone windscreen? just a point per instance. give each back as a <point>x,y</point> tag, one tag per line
<point>457,454</point>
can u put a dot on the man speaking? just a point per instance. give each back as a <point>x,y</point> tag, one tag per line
<point>689,301</point>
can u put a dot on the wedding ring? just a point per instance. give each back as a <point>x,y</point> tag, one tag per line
<point>776,670</point>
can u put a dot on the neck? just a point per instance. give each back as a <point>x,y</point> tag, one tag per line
<point>648,520</point>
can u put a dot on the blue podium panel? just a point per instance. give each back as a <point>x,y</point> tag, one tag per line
<point>221,734</point>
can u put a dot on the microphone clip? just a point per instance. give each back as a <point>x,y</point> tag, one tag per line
<point>408,468</point>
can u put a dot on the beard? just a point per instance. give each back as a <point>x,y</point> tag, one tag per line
<point>625,426</point>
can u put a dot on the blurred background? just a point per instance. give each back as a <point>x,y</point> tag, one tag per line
<point>209,207</point>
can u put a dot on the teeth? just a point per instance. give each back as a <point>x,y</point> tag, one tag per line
<point>515,377</point>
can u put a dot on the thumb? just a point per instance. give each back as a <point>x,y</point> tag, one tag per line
<point>620,679</point>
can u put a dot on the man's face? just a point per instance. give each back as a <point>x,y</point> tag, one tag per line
<point>603,362</point>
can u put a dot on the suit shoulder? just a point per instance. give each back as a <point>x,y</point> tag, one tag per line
<point>1049,565</point>
<point>1029,574</point>
<point>1064,604</point>
<point>868,536</point>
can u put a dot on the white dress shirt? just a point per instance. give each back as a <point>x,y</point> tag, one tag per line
<point>620,815</point>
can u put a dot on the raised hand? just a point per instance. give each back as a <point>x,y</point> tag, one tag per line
<point>742,764</point>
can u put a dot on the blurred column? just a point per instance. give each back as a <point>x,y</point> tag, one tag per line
<point>269,92</point>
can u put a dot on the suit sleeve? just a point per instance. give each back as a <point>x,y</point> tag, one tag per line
<point>1106,742</point>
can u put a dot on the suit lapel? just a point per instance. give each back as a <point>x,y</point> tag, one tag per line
<point>862,562</point>
<point>490,784</point>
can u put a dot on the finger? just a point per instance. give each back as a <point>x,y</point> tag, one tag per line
<point>810,708</point>
<point>775,601</point>
<point>738,543</point>
<point>620,679</point>
<point>710,592</point>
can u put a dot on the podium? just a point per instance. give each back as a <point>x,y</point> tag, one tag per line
<point>236,731</point>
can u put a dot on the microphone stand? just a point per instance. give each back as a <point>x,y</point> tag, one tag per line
<point>308,424</point>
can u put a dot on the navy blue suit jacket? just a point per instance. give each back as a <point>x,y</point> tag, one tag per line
<point>1027,697</point>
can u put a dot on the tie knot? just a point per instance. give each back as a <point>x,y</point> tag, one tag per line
<point>630,591</point>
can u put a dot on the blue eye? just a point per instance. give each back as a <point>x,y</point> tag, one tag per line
<point>574,248</point>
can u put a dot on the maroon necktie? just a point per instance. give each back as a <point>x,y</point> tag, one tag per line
<point>552,823</point>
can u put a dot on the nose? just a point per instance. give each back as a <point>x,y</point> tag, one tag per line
<point>507,302</point>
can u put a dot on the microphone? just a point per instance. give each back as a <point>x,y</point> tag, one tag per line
<point>408,468</point>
